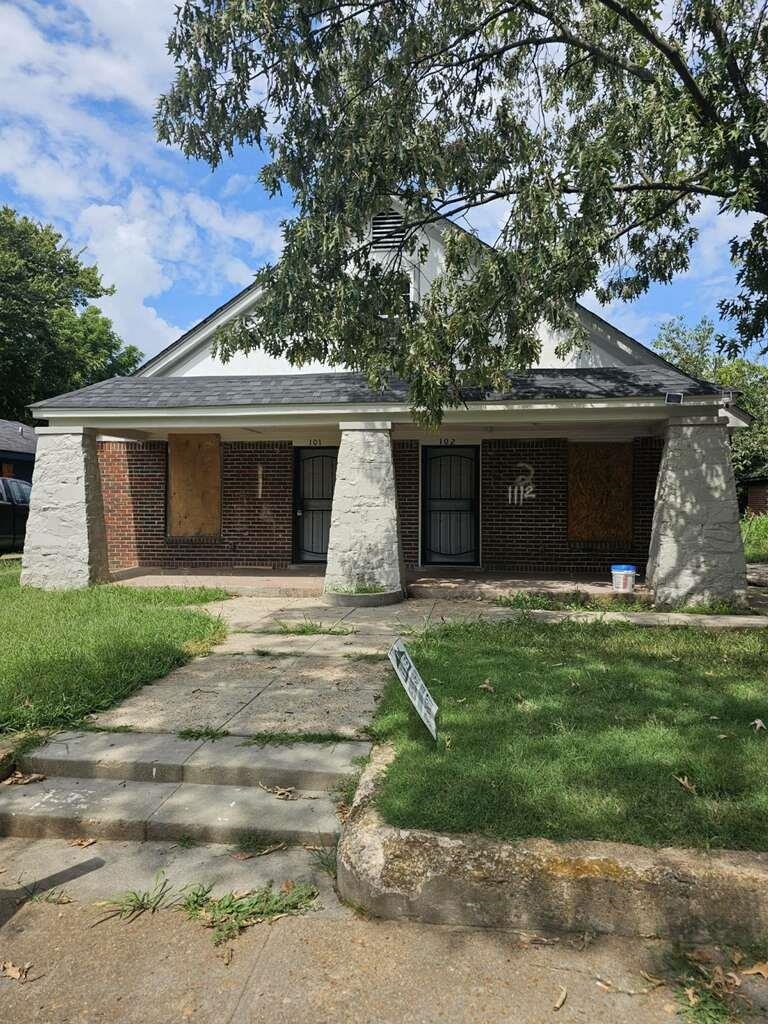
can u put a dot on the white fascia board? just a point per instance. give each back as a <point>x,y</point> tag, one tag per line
<point>334,414</point>
<point>198,336</point>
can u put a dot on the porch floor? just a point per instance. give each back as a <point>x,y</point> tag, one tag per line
<point>307,581</point>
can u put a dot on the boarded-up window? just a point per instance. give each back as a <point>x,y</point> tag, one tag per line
<point>600,492</point>
<point>194,485</point>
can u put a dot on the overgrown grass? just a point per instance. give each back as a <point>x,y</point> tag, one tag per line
<point>308,627</point>
<point>754,532</point>
<point>581,601</point>
<point>206,732</point>
<point>582,731</point>
<point>68,654</point>
<point>230,914</point>
<point>264,739</point>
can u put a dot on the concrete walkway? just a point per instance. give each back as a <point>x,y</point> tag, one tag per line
<point>308,970</point>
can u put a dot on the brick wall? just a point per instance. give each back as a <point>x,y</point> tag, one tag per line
<point>405,458</point>
<point>757,499</point>
<point>533,536</point>
<point>254,530</point>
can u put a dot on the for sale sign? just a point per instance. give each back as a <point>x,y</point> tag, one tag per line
<point>414,685</point>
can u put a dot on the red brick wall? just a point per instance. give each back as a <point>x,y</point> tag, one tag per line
<point>405,457</point>
<point>533,536</point>
<point>254,531</point>
<point>527,538</point>
<point>757,499</point>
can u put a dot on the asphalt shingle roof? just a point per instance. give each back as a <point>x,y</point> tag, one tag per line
<point>17,437</point>
<point>351,389</point>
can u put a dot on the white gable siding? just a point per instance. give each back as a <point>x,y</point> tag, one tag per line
<point>193,358</point>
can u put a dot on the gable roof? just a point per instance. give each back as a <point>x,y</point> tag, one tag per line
<point>352,389</point>
<point>17,437</point>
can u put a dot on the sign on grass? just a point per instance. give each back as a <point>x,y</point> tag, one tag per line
<point>414,685</point>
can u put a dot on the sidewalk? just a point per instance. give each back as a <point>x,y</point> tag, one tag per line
<point>163,968</point>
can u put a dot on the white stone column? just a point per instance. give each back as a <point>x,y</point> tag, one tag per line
<point>364,542</point>
<point>696,554</point>
<point>65,545</point>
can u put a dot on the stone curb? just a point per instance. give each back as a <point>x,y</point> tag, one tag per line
<point>536,884</point>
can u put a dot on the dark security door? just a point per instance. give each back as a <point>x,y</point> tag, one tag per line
<point>315,477</point>
<point>450,495</point>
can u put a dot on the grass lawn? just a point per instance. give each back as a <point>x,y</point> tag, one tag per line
<point>582,734</point>
<point>754,531</point>
<point>582,601</point>
<point>68,654</point>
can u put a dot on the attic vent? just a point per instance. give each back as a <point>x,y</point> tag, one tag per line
<point>387,231</point>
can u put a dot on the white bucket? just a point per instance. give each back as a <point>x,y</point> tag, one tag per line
<point>623,578</point>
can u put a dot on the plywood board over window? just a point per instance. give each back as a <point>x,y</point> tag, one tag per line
<point>194,485</point>
<point>600,492</point>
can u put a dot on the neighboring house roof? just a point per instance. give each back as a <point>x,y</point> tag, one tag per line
<point>17,437</point>
<point>351,388</point>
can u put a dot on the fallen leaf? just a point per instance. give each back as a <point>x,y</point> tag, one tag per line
<point>650,978</point>
<point>287,886</point>
<point>82,843</point>
<point>736,957</point>
<point>560,1001</point>
<point>8,969</point>
<point>242,855</point>
<point>281,792</point>
<point>758,724</point>
<point>271,849</point>
<point>692,996</point>
<point>18,778</point>
<point>227,955</point>
<point>759,968</point>
<point>606,986</point>
<point>686,783</point>
<point>486,685</point>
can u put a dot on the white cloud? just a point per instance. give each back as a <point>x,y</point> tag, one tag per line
<point>78,84</point>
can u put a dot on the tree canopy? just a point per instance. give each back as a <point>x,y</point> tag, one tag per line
<point>695,350</point>
<point>51,339</point>
<point>593,129</point>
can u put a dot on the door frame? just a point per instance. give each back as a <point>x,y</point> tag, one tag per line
<point>476,497</point>
<point>295,495</point>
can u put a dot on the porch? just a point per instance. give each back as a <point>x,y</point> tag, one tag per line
<point>307,581</point>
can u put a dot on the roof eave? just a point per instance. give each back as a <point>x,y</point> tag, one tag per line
<point>366,410</point>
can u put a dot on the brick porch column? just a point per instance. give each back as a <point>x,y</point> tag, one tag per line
<point>696,554</point>
<point>65,544</point>
<point>363,547</point>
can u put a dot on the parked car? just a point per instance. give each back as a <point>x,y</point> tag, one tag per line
<point>14,510</point>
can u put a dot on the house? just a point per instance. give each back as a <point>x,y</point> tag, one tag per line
<point>17,449</point>
<point>611,455</point>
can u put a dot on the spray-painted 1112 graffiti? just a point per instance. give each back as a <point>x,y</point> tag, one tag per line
<point>523,486</point>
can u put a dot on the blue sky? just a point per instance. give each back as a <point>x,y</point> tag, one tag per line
<point>78,83</point>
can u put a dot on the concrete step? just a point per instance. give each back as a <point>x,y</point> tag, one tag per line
<point>108,809</point>
<point>163,757</point>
